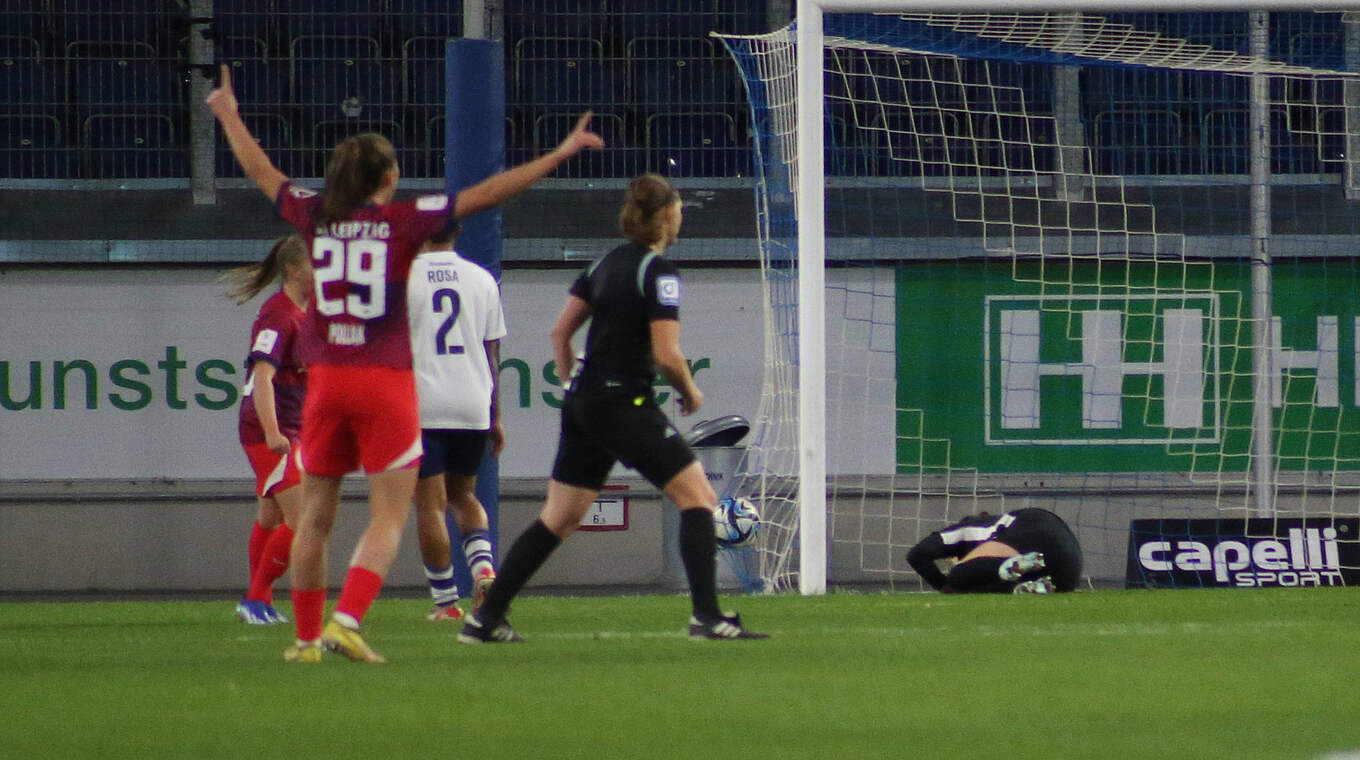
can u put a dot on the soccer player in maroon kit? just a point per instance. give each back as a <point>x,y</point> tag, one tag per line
<point>361,403</point>
<point>271,415</point>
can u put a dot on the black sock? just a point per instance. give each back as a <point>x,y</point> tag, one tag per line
<point>526,555</point>
<point>698,551</point>
<point>977,576</point>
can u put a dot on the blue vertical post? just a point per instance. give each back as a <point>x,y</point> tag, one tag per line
<point>474,149</point>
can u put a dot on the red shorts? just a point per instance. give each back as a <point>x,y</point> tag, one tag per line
<point>274,472</point>
<point>359,416</point>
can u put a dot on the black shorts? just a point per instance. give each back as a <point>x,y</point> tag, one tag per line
<point>457,451</point>
<point>601,429</point>
<point>1039,530</point>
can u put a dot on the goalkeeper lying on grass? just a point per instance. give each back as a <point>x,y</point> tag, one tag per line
<point>1028,551</point>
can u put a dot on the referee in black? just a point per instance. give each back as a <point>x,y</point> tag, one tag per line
<point>1027,551</point>
<point>632,298</point>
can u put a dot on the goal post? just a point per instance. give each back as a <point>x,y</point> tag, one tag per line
<point>1093,206</point>
<point>812,516</point>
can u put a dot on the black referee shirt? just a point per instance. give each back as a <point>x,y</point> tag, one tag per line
<point>626,289</point>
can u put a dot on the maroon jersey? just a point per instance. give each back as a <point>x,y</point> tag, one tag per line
<point>359,313</point>
<point>273,339</point>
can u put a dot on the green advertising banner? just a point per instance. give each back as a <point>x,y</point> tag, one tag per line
<point>1008,366</point>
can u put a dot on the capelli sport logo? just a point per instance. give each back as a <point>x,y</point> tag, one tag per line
<point>1227,553</point>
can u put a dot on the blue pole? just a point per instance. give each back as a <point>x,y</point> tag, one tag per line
<point>474,149</point>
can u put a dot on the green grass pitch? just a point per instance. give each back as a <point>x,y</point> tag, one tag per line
<point>1116,674</point>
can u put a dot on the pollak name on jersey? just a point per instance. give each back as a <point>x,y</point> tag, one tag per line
<point>352,228</point>
<point>346,334</point>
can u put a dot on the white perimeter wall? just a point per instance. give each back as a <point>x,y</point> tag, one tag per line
<point>147,497</point>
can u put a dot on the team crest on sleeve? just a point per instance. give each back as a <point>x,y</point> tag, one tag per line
<point>668,290</point>
<point>300,192</point>
<point>432,202</point>
<point>265,341</point>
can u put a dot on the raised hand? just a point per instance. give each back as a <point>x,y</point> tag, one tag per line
<point>581,138</point>
<point>222,100</point>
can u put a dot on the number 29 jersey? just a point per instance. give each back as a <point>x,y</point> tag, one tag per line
<point>358,315</point>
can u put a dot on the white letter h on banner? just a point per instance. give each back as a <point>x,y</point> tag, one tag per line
<point>1102,369</point>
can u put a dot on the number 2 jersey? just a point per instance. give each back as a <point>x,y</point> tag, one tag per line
<point>358,315</point>
<point>455,309</point>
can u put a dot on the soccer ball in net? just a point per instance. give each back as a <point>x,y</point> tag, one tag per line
<point>736,521</point>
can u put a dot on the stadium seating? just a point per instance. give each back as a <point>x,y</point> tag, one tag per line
<point>433,145</point>
<point>1224,133</point>
<point>425,18</point>
<point>916,142</point>
<point>621,157</point>
<point>124,111</point>
<point>260,82</point>
<point>558,18</point>
<point>31,146</point>
<point>123,85</point>
<point>518,141</point>
<point>842,158</point>
<point>1014,143</point>
<point>343,18</point>
<point>32,19</point>
<point>27,85</point>
<point>325,135</point>
<point>695,144</point>
<point>1295,148</point>
<point>240,47</point>
<point>255,19</point>
<point>1294,140</point>
<point>422,71</point>
<point>89,24</point>
<point>120,145</point>
<point>1323,49</point>
<point>274,132</point>
<point>1332,142</point>
<point>632,19</point>
<point>1156,132</point>
<point>640,62</point>
<point>20,46</point>
<point>1005,86</point>
<point>670,72</point>
<point>337,78</point>
<point>1112,89</point>
<point>111,49</point>
<point>563,71</point>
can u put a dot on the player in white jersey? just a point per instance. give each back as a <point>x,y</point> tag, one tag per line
<point>456,320</point>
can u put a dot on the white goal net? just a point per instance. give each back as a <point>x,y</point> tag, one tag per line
<point>1098,264</point>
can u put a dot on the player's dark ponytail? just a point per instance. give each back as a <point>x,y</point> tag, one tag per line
<point>354,172</point>
<point>641,219</point>
<point>244,283</point>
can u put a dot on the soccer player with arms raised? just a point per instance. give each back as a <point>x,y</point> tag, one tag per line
<point>361,403</point>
